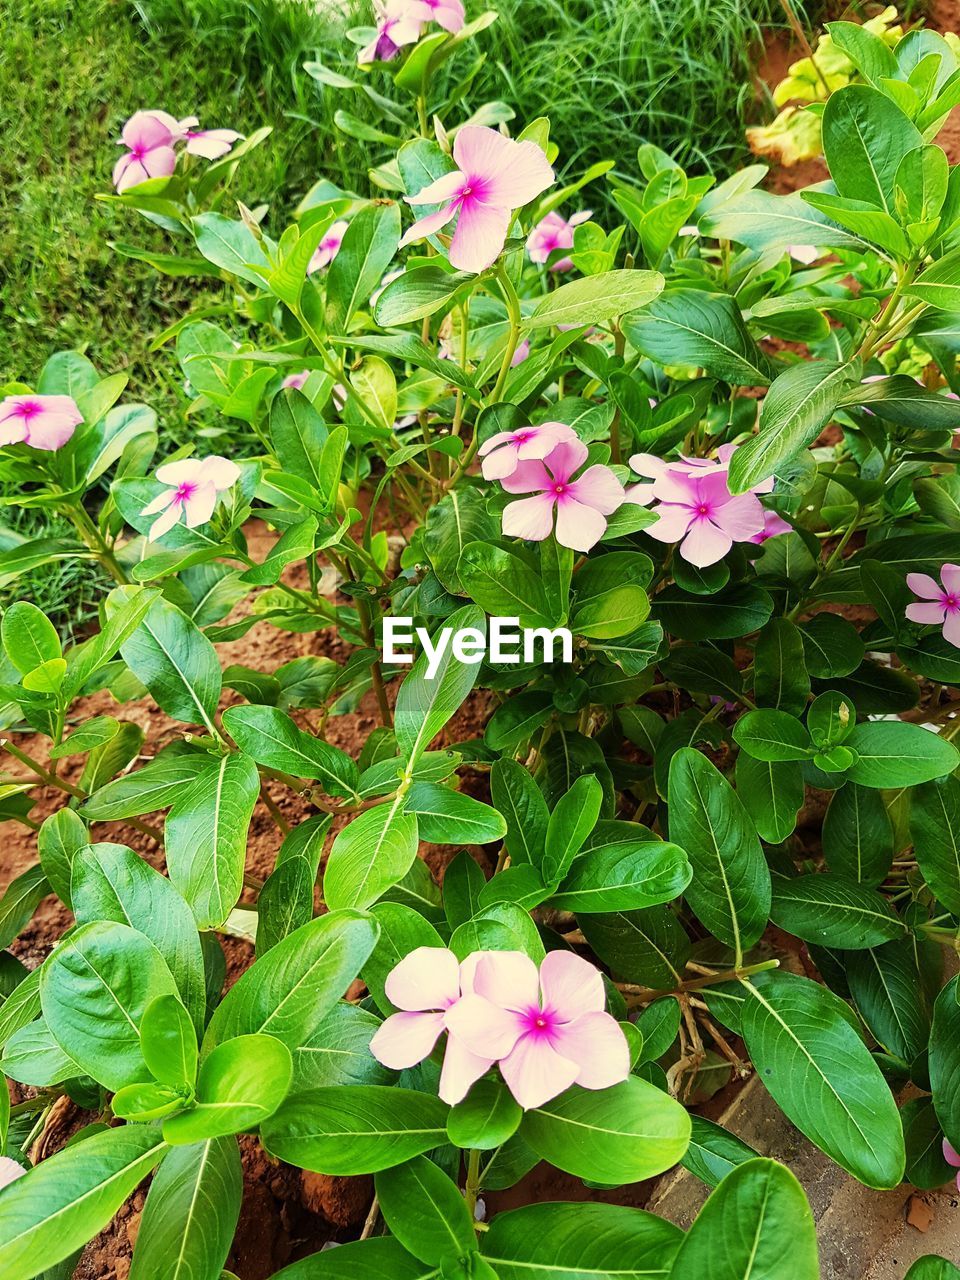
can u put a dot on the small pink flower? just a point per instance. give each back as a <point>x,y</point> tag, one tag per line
<point>426,986</point>
<point>695,505</point>
<point>773,525</point>
<point>149,137</point>
<point>195,484</point>
<point>504,451</point>
<point>494,176</point>
<point>446,13</point>
<point>296,381</point>
<point>398,24</point>
<point>548,1029</point>
<point>582,505</point>
<point>551,233</point>
<point>42,422</point>
<point>803,253</point>
<point>521,353</point>
<point>328,248</point>
<point>211,144</point>
<point>941,604</point>
<point>10,1171</point>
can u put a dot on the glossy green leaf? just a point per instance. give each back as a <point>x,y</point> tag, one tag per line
<point>270,737</point>
<point>833,911</point>
<point>241,1082</point>
<point>424,706</point>
<point>425,1211</point>
<point>370,855</point>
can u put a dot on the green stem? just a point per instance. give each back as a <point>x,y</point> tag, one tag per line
<point>91,537</point>
<point>472,1188</point>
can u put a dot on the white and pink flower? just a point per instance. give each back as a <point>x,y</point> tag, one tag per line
<point>940,605</point>
<point>503,452</point>
<point>554,232</point>
<point>151,138</point>
<point>329,246</point>
<point>42,422</point>
<point>582,503</point>
<point>195,485</point>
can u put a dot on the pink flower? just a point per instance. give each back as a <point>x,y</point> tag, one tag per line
<point>944,602</point>
<point>581,504</point>
<point>212,144</point>
<point>195,484</point>
<point>952,1158</point>
<point>521,353</point>
<point>551,233</point>
<point>494,176</point>
<point>10,1171</point>
<point>446,13</point>
<point>772,526</point>
<point>803,253</point>
<point>149,137</point>
<point>695,505</point>
<point>42,422</point>
<point>295,381</point>
<point>548,1030</point>
<point>504,451</point>
<point>426,986</point>
<point>328,248</point>
<point>398,24</point>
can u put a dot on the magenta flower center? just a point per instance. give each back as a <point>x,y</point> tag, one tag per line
<point>521,437</point>
<point>950,603</point>
<point>184,492</point>
<point>703,509</point>
<point>559,490</point>
<point>539,1022</point>
<point>29,409</point>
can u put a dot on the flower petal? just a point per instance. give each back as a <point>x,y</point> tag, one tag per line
<point>199,507</point>
<point>427,226</point>
<point>426,978</point>
<point>220,472</point>
<point>741,517</point>
<point>672,523</point>
<point>166,522</point>
<point>922,585</point>
<point>500,464</point>
<point>928,615</point>
<point>508,978</point>
<point>951,628</point>
<point>443,189</point>
<point>534,1072</point>
<point>461,1069</point>
<point>514,173</point>
<point>571,986</point>
<point>597,1045</point>
<point>598,487</point>
<point>705,544</point>
<point>578,526</point>
<point>405,1039</point>
<point>529,518</point>
<point>185,471</point>
<point>566,458</point>
<point>480,235</point>
<point>484,1026</point>
<point>950,577</point>
<point>544,439</point>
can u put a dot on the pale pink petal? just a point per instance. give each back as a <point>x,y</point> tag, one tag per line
<point>429,225</point>
<point>649,465</point>
<point>596,1043</point>
<point>159,163</point>
<point>672,523</point>
<point>427,978</point>
<point>405,1039</point>
<point>578,526</point>
<point>583,216</point>
<point>950,577</point>
<point>521,353</point>
<point>529,518</point>
<point>499,465</point>
<point>199,506</point>
<point>461,1069</point>
<point>185,471</point>
<point>677,485</point>
<point>448,14</point>
<point>468,970</point>
<point>51,429</point>
<point>544,439</point>
<point>951,628</point>
<point>160,502</point>
<point>166,522</point>
<point>804,253</point>
<point>534,1072</point>
<point>598,487</point>
<point>482,1025</point>
<point>10,1171</point>
<point>951,1156</point>
<point>528,477</point>
<point>641,495</point>
<point>12,431</point>
<point>148,129</point>
<point>741,517</point>
<point>566,458</point>
<point>499,438</point>
<point>211,144</point>
<point>480,235</point>
<point>513,173</point>
<point>447,187</point>
<point>928,615</point>
<point>571,986</point>
<point>705,544</point>
<point>220,472</point>
<point>508,978</point>
<point>922,585</point>
<point>128,172</point>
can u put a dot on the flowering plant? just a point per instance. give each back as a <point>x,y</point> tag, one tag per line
<point>560,902</point>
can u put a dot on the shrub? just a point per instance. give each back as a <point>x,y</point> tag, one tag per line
<point>673,465</point>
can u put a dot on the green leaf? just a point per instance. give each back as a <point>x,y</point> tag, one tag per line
<point>178,664</point>
<point>621,1134</point>
<point>926,1167</point>
<point>822,1075</point>
<point>524,809</point>
<point>624,876</point>
<point>153,787</point>
<point>425,1211</point>
<point>703,330</point>
<point>757,1212</point>
<point>380,1258</point>
<point>230,245</point>
<point>865,136</point>
<point>241,1083</point>
<point>932,1268</point>
<point>572,820</point>
<point>298,434</point>
<point>360,1129</point>
<point>424,706</point>
<point>576,1241</point>
<point>945,1060</point>
<point>896,754</point>
<point>503,584</point>
<point>504,926</point>
<point>63,1202</point>
<point>168,1040</point>
<point>111,882</point>
<point>20,899</point>
<point>94,990</point>
<point>29,637</point>
<point>596,299</point>
<point>773,736</point>
<point>486,1118</point>
<point>772,792</point>
<point>780,677</point>
<point>289,990</point>
<point>368,856</point>
<point>730,890</point>
<point>445,816</point>
<point>459,518</point>
<point>32,1056</point>
<point>191,1214</point>
<point>648,946</point>
<point>735,611</point>
<point>337,1051</point>
<point>714,1152</point>
<point>419,293</point>
<point>270,737</point>
<point>886,986</point>
<point>368,247</point>
<point>799,403</point>
<point>858,835</point>
<point>833,912</point>
<point>935,831</point>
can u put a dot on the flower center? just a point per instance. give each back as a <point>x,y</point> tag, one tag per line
<point>540,1022</point>
<point>951,603</point>
<point>559,490</point>
<point>29,409</point>
<point>522,437</point>
<point>703,509</point>
<point>184,492</point>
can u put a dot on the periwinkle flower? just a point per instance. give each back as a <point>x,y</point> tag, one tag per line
<point>42,422</point>
<point>195,485</point>
<point>582,502</point>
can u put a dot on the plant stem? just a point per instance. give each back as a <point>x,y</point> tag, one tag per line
<point>619,346</point>
<point>91,537</point>
<point>472,1189</point>
<point>644,995</point>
